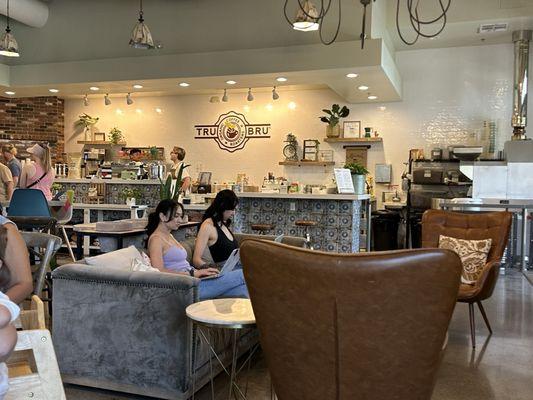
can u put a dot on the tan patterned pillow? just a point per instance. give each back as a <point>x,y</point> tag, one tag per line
<point>473,254</point>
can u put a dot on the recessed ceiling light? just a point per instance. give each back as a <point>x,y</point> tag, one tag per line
<point>281,79</point>
<point>363,87</point>
<point>53,90</point>
<point>372,97</point>
<point>184,84</point>
<point>351,75</point>
<point>10,93</point>
<point>137,86</point>
<point>230,82</point>
<point>94,88</point>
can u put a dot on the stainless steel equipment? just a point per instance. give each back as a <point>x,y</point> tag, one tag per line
<point>156,170</point>
<point>521,41</point>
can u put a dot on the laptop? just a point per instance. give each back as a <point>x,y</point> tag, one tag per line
<point>229,265</point>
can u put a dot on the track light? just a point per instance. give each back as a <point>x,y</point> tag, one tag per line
<point>214,99</point>
<point>250,96</point>
<point>225,97</point>
<point>107,100</point>
<point>275,94</point>
<point>141,38</point>
<point>129,100</point>
<point>85,101</point>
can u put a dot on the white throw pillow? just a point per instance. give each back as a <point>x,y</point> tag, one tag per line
<point>118,259</point>
<point>138,265</point>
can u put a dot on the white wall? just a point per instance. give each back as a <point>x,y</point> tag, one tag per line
<point>448,93</point>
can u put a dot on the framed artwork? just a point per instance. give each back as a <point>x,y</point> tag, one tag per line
<point>351,129</point>
<point>204,178</point>
<point>99,136</point>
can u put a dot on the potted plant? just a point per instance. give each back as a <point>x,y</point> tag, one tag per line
<point>154,152</point>
<point>358,176</point>
<point>115,136</point>
<point>169,189</point>
<point>334,115</point>
<point>130,195</point>
<point>86,122</point>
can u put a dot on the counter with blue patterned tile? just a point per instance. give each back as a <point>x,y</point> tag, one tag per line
<point>338,217</point>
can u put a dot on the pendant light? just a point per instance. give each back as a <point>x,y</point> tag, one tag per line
<point>8,44</point>
<point>107,100</point>
<point>141,38</point>
<point>129,100</point>
<point>306,18</point>
<point>85,101</point>
<point>275,94</point>
<point>250,96</point>
<point>225,97</point>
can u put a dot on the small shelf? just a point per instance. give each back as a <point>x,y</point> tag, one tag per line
<point>100,142</point>
<point>354,140</point>
<point>307,163</point>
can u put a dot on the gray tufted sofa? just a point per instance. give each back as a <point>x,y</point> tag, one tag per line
<point>127,331</point>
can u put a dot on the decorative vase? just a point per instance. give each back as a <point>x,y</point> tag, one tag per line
<point>88,134</point>
<point>333,131</point>
<point>358,183</point>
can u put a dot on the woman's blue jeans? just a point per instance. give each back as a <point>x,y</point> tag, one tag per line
<point>230,284</point>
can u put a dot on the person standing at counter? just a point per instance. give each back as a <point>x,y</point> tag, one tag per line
<point>6,183</point>
<point>177,155</point>
<point>215,232</point>
<point>39,174</point>
<point>9,152</point>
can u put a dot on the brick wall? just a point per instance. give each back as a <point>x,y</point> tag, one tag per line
<point>27,120</point>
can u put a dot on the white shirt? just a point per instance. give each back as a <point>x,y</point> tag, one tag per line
<point>176,169</point>
<point>14,311</point>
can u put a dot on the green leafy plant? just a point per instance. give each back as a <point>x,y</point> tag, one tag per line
<point>154,152</point>
<point>335,114</point>
<point>166,191</point>
<point>356,169</point>
<point>128,193</point>
<point>115,136</point>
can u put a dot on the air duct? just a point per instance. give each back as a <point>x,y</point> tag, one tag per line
<point>521,41</point>
<point>33,13</point>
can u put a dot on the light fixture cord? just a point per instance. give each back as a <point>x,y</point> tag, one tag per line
<point>7,18</point>
<point>417,22</point>
<point>141,19</point>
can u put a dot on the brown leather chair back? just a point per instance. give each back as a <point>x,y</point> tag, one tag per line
<point>493,225</point>
<point>367,326</point>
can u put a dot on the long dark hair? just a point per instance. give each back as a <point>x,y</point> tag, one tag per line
<point>166,207</point>
<point>225,200</point>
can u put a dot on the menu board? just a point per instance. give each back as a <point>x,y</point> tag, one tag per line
<point>343,177</point>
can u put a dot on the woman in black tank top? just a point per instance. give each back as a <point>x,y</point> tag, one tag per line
<point>214,233</point>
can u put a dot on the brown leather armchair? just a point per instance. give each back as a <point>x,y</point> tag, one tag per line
<point>366,326</point>
<point>493,225</point>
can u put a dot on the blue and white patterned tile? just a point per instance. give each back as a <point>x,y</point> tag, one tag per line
<point>345,221</point>
<point>255,205</point>
<point>331,247</point>
<point>331,220</point>
<point>331,234</point>
<point>345,248</point>
<point>346,207</point>
<point>345,235</point>
<point>332,207</point>
<point>267,205</point>
<point>254,218</point>
<point>318,206</point>
<point>292,231</point>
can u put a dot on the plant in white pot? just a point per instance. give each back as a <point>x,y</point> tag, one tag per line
<point>131,195</point>
<point>334,115</point>
<point>86,122</point>
<point>358,177</point>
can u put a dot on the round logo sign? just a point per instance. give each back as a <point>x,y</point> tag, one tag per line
<point>231,133</point>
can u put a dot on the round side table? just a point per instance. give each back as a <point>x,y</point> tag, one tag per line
<point>234,314</point>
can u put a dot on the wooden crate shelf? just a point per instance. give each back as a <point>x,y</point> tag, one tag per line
<point>354,140</point>
<point>307,163</point>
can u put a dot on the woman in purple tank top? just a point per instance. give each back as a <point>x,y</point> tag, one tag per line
<point>168,255</point>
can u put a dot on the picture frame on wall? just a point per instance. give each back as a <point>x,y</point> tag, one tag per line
<point>351,129</point>
<point>99,136</point>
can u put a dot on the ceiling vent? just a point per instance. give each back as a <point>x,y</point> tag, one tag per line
<point>491,28</point>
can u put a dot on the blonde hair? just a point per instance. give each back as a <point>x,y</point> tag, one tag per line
<point>9,148</point>
<point>46,157</point>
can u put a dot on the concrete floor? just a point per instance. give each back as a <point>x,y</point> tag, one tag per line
<point>501,367</point>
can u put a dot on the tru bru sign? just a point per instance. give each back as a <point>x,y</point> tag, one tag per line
<point>232,131</point>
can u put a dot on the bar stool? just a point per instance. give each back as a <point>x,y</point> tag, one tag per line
<point>304,223</point>
<point>262,229</point>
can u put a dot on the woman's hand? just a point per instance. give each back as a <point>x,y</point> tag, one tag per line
<point>200,273</point>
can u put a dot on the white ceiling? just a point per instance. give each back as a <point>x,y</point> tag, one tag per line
<point>206,42</point>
